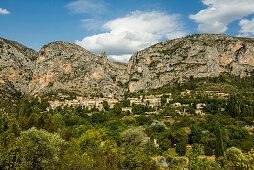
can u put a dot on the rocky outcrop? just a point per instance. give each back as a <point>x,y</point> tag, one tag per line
<point>203,55</point>
<point>16,67</point>
<point>67,66</point>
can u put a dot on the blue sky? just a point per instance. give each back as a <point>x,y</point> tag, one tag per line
<point>121,27</point>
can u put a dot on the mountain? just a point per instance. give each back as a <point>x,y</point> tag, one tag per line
<point>67,66</point>
<point>16,67</point>
<point>205,55</point>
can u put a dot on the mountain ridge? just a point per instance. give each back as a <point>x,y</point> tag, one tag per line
<point>68,66</point>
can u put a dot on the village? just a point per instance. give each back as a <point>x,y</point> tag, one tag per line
<point>154,101</point>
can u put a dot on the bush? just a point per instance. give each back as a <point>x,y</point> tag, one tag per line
<point>38,149</point>
<point>181,149</point>
<point>158,126</point>
<point>175,162</point>
<point>208,151</point>
<point>165,144</point>
<point>133,134</point>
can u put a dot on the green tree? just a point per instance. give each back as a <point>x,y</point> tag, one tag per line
<point>194,161</point>
<point>233,155</point>
<point>133,134</point>
<point>105,105</point>
<point>38,149</point>
<point>181,149</point>
<point>92,151</point>
<point>219,146</point>
<point>195,135</point>
<point>117,108</point>
<point>208,151</point>
<point>175,162</point>
<point>247,162</point>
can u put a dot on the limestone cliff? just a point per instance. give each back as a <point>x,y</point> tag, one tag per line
<point>16,67</point>
<point>203,55</point>
<point>67,66</point>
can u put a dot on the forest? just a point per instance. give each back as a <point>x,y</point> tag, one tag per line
<point>78,138</point>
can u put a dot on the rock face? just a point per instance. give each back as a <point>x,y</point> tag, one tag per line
<point>203,55</point>
<point>16,67</point>
<point>67,66</point>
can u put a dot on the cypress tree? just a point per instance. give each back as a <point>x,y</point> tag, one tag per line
<point>219,147</point>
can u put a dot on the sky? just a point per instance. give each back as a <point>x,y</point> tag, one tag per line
<point>121,27</point>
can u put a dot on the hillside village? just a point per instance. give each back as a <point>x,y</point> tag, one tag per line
<point>153,101</point>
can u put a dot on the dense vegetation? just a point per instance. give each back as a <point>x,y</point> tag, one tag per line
<point>77,138</point>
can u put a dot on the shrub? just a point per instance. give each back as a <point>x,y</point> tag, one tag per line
<point>208,151</point>
<point>181,149</point>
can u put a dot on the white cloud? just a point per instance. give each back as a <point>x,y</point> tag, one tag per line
<point>87,6</point>
<point>219,13</point>
<point>247,28</point>
<point>4,11</point>
<point>120,58</point>
<point>133,32</point>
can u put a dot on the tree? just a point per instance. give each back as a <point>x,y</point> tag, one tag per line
<point>219,147</point>
<point>117,108</point>
<point>163,100</point>
<point>92,151</point>
<point>165,144</point>
<point>158,126</point>
<point>143,120</point>
<point>126,103</point>
<point>194,161</point>
<point>208,151</point>
<point>105,105</point>
<point>181,149</point>
<point>39,149</point>
<point>175,162</point>
<point>133,134</point>
<point>98,117</point>
<point>233,155</point>
<point>247,162</point>
<point>135,158</point>
<point>195,135</point>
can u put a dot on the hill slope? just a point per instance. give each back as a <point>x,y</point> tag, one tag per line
<point>67,66</point>
<point>203,55</point>
<point>16,67</point>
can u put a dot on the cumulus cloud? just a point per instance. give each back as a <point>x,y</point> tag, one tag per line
<point>87,6</point>
<point>247,28</point>
<point>133,32</point>
<point>219,13</point>
<point>4,11</point>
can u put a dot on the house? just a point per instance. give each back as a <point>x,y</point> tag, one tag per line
<point>200,105</point>
<point>198,111</point>
<point>126,109</point>
<point>153,102</point>
<point>186,93</point>
<point>93,103</point>
<point>111,102</point>
<point>177,104</point>
<point>222,109</point>
<point>185,105</point>
<point>167,94</point>
<point>169,99</point>
<point>155,143</point>
<point>136,101</point>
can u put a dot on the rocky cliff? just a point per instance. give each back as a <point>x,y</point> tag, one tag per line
<point>16,67</point>
<point>67,66</point>
<point>203,55</point>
